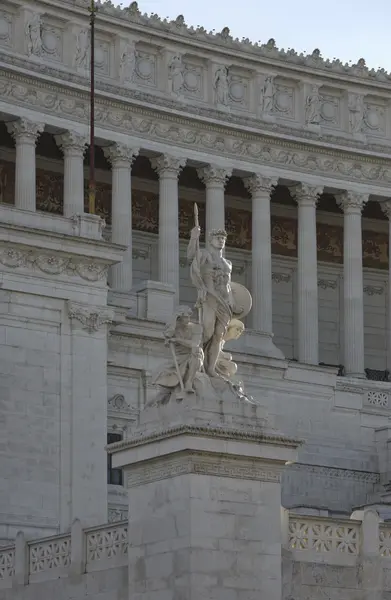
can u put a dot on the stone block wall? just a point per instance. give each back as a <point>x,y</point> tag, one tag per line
<point>30,368</point>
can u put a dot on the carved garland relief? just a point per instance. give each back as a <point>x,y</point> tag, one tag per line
<point>238,221</point>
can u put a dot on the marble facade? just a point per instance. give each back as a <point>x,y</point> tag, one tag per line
<point>290,154</point>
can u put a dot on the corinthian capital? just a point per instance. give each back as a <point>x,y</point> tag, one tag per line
<point>120,153</point>
<point>352,201</point>
<point>306,194</point>
<point>213,174</point>
<point>71,141</point>
<point>386,208</point>
<point>259,185</point>
<point>168,165</point>
<point>25,129</point>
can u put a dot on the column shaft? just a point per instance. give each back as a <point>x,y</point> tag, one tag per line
<point>261,267</point>
<point>25,134</point>
<point>168,168</point>
<point>214,179</point>
<point>307,274</point>
<point>73,145</point>
<point>352,204</point>
<point>121,158</point>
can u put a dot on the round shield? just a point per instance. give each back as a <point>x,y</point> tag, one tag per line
<point>242,300</point>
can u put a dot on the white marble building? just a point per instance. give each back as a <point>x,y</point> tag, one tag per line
<point>290,154</point>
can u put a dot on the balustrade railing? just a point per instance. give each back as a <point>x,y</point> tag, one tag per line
<point>329,540</point>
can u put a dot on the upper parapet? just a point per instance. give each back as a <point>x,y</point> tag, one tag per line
<point>224,39</point>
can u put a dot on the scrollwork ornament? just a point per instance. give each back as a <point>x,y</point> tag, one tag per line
<point>52,265</point>
<point>90,318</point>
<point>91,271</point>
<point>386,208</point>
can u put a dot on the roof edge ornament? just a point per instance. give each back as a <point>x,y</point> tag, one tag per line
<point>224,38</point>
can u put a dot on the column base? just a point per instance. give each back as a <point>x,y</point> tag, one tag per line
<point>261,343</point>
<point>355,375</point>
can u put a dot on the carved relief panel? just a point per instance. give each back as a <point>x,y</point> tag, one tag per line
<point>193,77</point>
<point>284,98</point>
<point>6,28</point>
<point>330,107</point>
<point>239,88</point>
<point>375,116</point>
<point>52,41</point>
<point>103,53</point>
<point>145,70</point>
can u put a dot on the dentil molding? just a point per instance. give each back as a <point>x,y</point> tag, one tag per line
<point>90,318</point>
<point>52,263</point>
<point>195,135</point>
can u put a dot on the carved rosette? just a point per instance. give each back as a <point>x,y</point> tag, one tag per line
<point>259,185</point>
<point>90,318</point>
<point>24,130</point>
<point>120,153</point>
<point>72,142</point>
<point>352,202</point>
<point>213,175</point>
<point>305,194</point>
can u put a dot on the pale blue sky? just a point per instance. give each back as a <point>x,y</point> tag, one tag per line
<point>344,29</point>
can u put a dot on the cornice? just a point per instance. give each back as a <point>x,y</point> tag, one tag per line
<point>222,42</point>
<point>337,473</point>
<point>116,96</point>
<point>207,430</point>
<point>181,132</point>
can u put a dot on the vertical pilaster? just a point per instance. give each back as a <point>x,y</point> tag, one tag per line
<point>306,197</point>
<point>215,179</point>
<point>352,204</point>
<point>88,415</point>
<point>121,158</point>
<point>25,134</point>
<point>168,169</point>
<point>73,145</point>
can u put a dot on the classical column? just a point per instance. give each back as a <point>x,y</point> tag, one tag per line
<point>73,145</point>
<point>260,188</point>
<point>306,197</point>
<point>214,179</point>
<point>25,134</point>
<point>168,169</point>
<point>352,204</point>
<point>386,207</point>
<point>121,158</point>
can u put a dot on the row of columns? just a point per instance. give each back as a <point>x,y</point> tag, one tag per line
<point>260,187</point>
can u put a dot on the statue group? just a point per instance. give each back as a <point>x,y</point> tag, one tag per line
<point>198,360</point>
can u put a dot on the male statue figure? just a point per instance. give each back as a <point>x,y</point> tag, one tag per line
<point>211,275</point>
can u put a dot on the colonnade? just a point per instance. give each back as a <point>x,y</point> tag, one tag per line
<point>215,177</point>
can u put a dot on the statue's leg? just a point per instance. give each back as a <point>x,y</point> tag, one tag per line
<point>214,349</point>
<point>194,367</point>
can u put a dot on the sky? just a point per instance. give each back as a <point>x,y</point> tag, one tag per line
<point>343,29</point>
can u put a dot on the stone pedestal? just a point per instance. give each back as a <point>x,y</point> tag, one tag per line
<point>204,501</point>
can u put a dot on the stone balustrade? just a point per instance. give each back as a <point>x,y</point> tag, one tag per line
<point>309,539</point>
